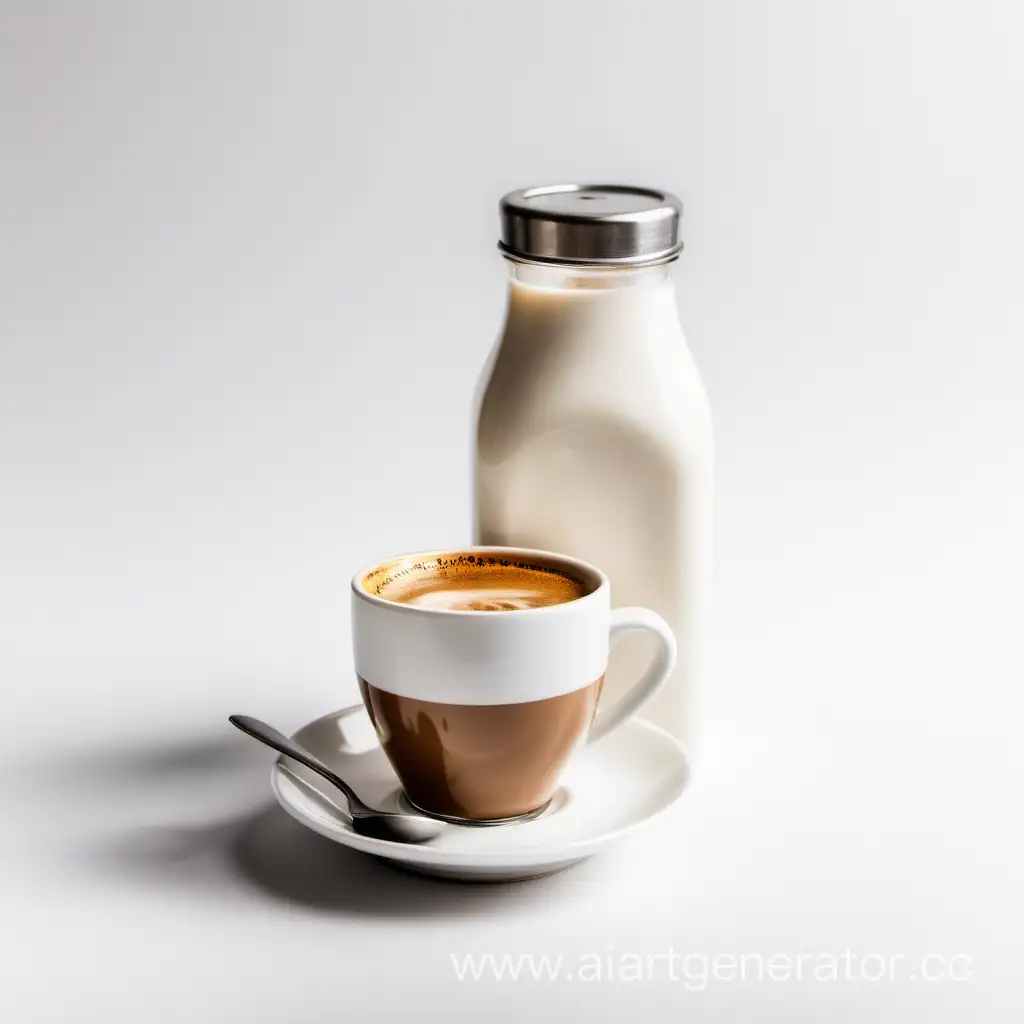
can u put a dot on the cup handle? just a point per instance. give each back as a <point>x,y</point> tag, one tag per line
<point>632,620</point>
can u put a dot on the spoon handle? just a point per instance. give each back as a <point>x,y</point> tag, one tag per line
<point>278,741</point>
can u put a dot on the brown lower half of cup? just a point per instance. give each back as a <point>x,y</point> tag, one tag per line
<point>480,761</point>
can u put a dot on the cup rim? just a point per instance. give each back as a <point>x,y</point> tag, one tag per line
<point>412,609</point>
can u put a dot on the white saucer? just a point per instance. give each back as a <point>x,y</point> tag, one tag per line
<point>611,789</point>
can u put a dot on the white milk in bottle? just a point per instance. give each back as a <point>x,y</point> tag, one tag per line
<point>594,433</point>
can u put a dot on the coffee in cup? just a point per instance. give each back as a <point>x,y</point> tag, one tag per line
<point>481,670</point>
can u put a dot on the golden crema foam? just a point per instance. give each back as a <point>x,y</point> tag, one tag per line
<point>479,599</point>
<point>472,582</point>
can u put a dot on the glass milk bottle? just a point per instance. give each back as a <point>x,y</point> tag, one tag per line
<point>594,433</point>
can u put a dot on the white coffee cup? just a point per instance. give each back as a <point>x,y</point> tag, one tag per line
<point>480,710</point>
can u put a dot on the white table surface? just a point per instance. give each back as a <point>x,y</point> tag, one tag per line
<point>226,385</point>
<point>856,792</point>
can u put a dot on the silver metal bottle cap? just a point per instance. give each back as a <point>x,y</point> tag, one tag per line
<point>591,225</point>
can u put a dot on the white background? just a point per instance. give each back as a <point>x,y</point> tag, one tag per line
<point>248,280</point>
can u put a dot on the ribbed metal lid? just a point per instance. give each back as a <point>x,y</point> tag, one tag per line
<point>597,225</point>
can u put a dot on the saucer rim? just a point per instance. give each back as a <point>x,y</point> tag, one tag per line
<point>427,854</point>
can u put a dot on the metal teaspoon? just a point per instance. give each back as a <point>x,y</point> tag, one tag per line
<point>399,828</point>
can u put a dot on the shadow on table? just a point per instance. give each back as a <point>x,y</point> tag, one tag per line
<point>265,850</point>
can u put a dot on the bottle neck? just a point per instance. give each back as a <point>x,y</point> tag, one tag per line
<point>563,277</point>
